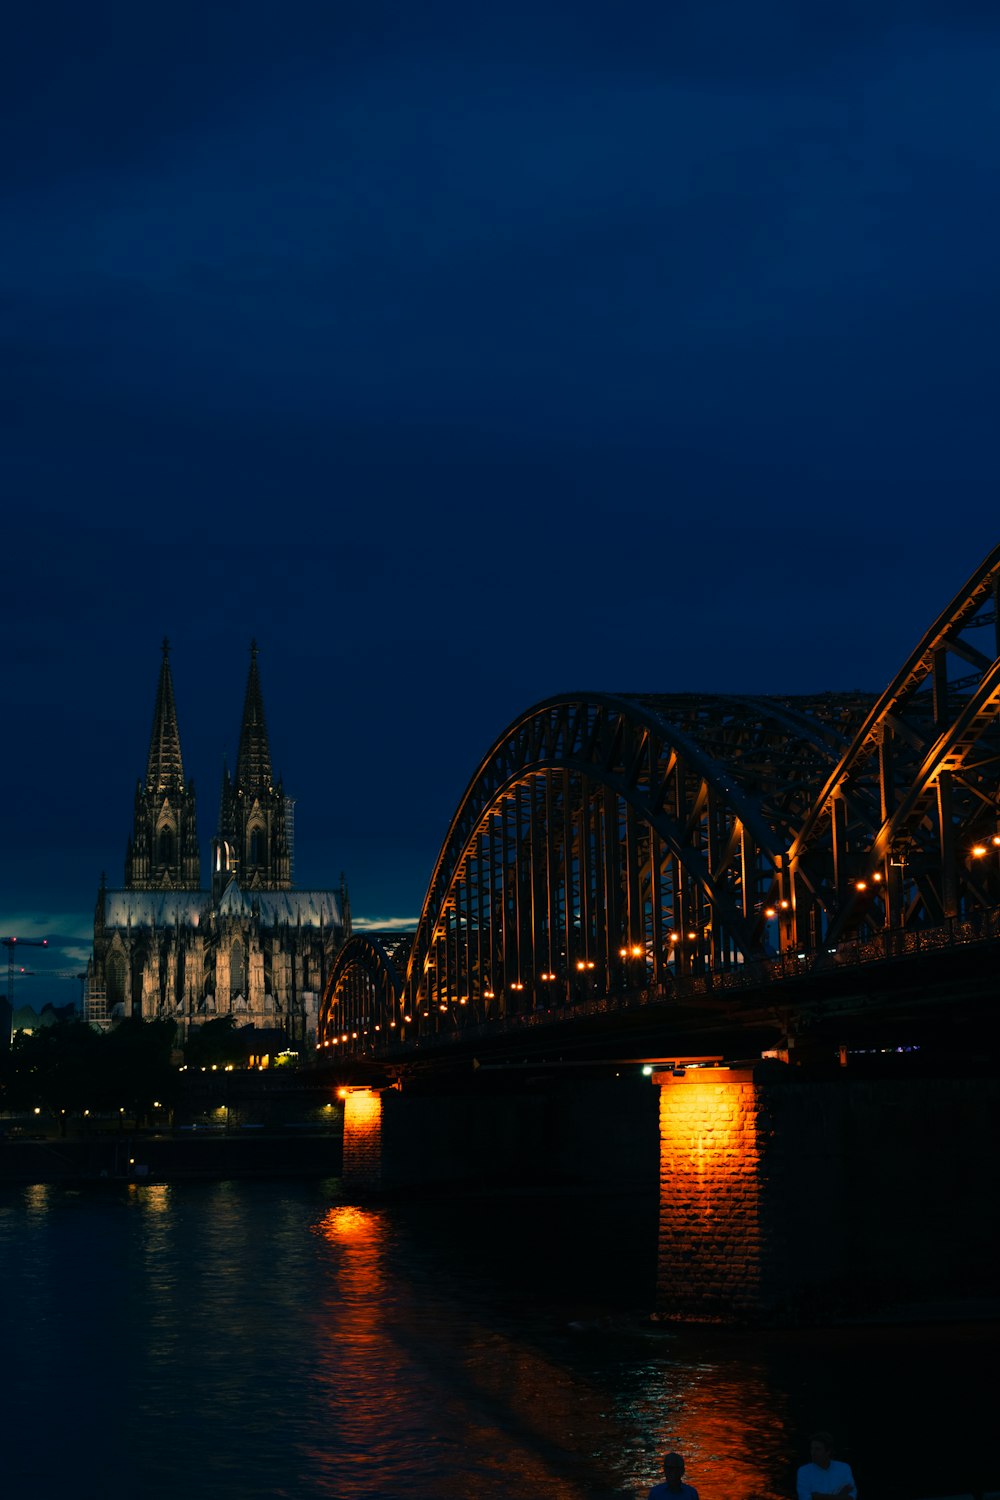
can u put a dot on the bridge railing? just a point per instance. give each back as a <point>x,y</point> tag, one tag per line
<point>980,927</point>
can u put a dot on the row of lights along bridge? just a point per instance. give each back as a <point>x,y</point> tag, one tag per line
<point>636,952</point>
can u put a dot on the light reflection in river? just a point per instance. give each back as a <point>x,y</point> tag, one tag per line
<point>726,1416</point>
<point>270,1342</point>
<point>417,1398</point>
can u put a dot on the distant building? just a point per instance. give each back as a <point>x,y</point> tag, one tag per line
<point>249,945</point>
<point>26,1018</point>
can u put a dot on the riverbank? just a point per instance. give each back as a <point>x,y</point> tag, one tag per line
<point>289,1154</point>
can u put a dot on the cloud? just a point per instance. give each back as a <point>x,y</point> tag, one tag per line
<point>385,924</point>
<point>60,930</point>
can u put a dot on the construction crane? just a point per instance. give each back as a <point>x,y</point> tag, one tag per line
<point>12,944</point>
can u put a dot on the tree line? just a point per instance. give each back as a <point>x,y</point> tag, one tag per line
<point>68,1069</point>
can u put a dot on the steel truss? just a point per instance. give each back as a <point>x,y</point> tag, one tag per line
<point>619,843</point>
<point>905,832</point>
<point>360,996</point>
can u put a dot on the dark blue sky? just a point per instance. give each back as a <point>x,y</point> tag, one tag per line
<point>464,359</point>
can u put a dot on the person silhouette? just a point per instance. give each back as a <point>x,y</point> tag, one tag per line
<point>673,1472</point>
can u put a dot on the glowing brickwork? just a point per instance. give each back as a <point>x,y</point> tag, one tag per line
<point>363,1139</point>
<point>712,1242</point>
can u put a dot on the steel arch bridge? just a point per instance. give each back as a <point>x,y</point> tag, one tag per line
<point>642,843</point>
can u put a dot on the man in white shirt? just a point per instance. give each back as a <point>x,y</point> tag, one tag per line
<point>824,1475</point>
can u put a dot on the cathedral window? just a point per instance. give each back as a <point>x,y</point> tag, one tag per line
<point>258,846</point>
<point>116,979</point>
<point>166,846</point>
<point>237,970</point>
<point>139,961</point>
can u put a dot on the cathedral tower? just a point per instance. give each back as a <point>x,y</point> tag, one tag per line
<point>251,948</point>
<point>163,850</point>
<point>254,838</point>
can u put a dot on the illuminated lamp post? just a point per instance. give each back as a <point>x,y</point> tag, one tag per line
<point>629,969</point>
<point>866,889</point>
<point>696,963</point>
<point>542,992</point>
<point>583,988</point>
<point>673,957</point>
<point>780,912</point>
<point>982,848</point>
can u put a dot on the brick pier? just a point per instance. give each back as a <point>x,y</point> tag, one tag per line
<point>786,1195</point>
<point>363,1139</point>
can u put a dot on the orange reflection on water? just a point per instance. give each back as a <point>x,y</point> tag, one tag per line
<point>413,1399</point>
<point>346,1223</point>
<point>153,1196</point>
<point>354,1324</point>
<point>730,1423</point>
<point>357,1368</point>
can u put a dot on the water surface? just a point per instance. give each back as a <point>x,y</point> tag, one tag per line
<point>250,1340</point>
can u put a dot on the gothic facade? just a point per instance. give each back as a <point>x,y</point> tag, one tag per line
<point>247,943</point>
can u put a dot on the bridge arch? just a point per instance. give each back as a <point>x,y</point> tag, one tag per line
<point>361,996</point>
<point>619,842</point>
<point>888,840</point>
<point>603,844</point>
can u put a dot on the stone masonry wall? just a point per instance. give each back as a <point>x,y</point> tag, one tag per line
<point>363,1140</point>
<point>752,1207</point>
<point>782,1195</point>
<point>712,1252</point>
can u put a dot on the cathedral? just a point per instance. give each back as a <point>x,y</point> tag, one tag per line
<point>245,944</point>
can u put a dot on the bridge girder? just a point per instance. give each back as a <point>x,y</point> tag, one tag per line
<point>361,994</point>
<point>887,841</point>
<point>611,842</point>
<point>603,845</point>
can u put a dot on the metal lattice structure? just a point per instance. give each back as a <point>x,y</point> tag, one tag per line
<point>636,842</point>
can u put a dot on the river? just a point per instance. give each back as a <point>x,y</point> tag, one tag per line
<point>243,1340</point>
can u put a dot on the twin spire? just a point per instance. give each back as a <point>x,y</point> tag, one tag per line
<point>253,760</point>
<point>164,767</point>
<point>254,814</point>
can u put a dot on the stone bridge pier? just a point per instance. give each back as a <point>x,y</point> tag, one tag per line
<point>788,1196</point>
<point>780,1194</point>
<point>363,1146</point>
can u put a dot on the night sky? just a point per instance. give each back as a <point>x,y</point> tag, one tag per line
<point>462,356</point>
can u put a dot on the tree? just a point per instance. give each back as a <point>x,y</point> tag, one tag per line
<point>216,1043</point>
<point>57,1068</point>
<point>68,1068</point>
<point>138,1066</point>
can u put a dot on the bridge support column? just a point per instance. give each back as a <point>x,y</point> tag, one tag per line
<point>362,1139</point>
<point>751,1213</point>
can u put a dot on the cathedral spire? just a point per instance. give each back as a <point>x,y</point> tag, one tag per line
<point>163,849</point>
<point>256,812</point>
<point>164,767</point>
<point>253,760</point>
